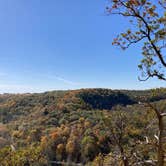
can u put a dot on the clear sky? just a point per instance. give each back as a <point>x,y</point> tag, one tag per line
<point>60,44</point>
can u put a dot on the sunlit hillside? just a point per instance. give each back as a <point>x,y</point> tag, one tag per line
<point>87,126</point>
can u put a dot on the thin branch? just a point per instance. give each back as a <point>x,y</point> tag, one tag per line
<point>134,41</point>
<point>163,114</point>
<point>150,75</point>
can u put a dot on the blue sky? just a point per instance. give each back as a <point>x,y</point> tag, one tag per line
<point>60,44</point>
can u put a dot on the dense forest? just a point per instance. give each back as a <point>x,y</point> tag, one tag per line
<point>97,127</point>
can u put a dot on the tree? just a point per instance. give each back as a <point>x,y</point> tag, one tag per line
<point>161,116</point>
<point>125,138</point>
<point>149,20</point>
<point>118,125</point>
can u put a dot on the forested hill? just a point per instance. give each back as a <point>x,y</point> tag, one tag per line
<point>70,125</point>
<point>14,105</point>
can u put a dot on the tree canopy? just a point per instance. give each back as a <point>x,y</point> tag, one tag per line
<point>149,27</point>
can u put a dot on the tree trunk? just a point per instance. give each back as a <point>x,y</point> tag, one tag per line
<point>162,141</point>
<point>125,161</point>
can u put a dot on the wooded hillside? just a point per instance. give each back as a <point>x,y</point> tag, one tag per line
<point>87,126</point>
